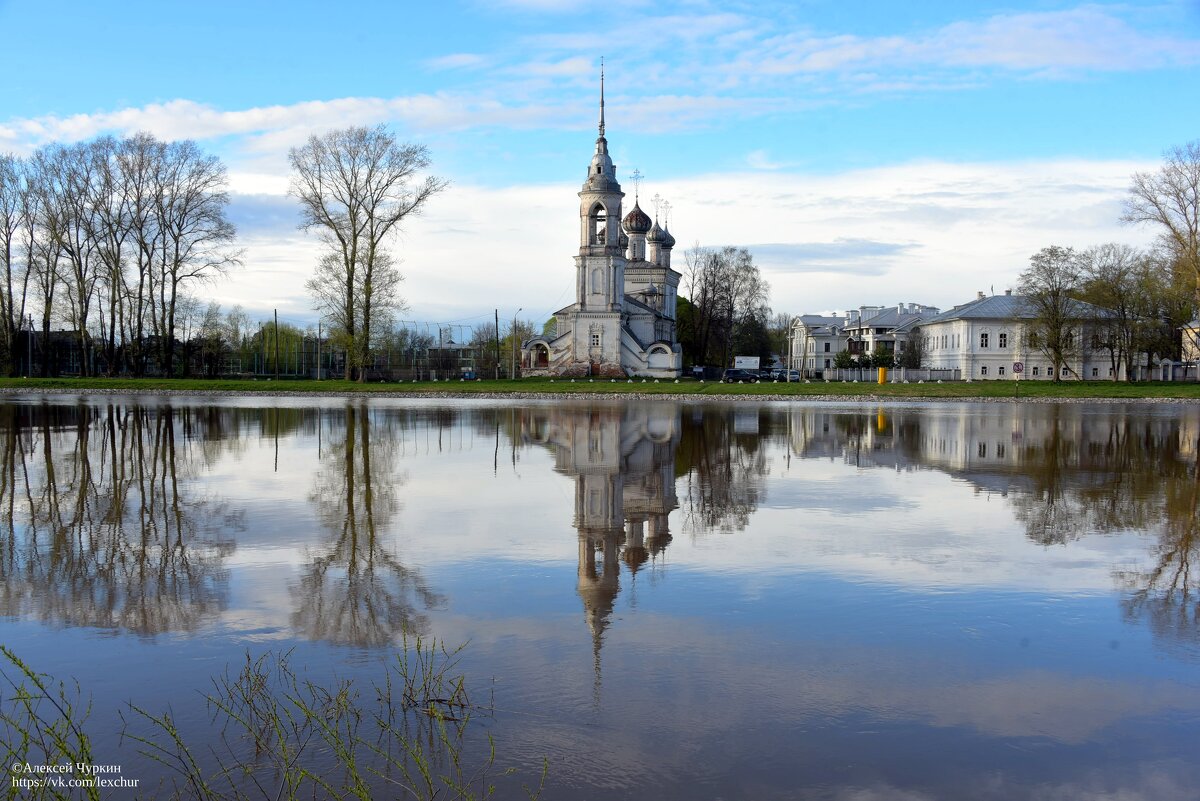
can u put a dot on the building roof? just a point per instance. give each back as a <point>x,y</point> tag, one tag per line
<point>1008,307</point>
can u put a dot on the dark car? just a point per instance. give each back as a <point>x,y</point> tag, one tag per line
<point>735,376</point>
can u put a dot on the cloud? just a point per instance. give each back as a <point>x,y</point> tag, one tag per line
<point>845,256</point>
<point>1079,39</point>
<point>454,61</point>
<point>929,232</point>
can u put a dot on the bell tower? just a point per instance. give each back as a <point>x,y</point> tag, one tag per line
<point>600,265</point>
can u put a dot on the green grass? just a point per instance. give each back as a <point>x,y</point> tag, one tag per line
<point>975,389</point>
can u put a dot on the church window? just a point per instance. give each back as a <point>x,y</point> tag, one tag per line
<point>595,339</point>
<point>983,340</point>
<point>1004,340</point>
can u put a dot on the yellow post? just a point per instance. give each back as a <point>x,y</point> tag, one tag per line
<point>882,375</point>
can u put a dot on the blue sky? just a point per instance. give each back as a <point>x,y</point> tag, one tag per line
<point>874,152</point>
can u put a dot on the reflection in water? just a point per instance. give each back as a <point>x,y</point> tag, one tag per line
<point>622,459</point>
<point>98,527</point>
<point>804,625</point>
<point>107,521</point>
<point>354,590</point>
<point>1068,471</point>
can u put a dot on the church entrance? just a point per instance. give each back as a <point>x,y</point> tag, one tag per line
<point>593,368</point>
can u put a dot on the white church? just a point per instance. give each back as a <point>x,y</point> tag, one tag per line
<point>622,322</point>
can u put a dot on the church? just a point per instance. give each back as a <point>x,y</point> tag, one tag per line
<point>622,322</point>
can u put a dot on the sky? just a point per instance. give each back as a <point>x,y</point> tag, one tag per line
<point>866,153</point>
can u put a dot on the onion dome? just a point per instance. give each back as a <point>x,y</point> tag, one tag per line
<point>655,235</point>
<point>637,221</point>
<point>668,241</point>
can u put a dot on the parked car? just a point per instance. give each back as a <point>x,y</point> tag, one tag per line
<point>783,375</point>
<point>736,376</point>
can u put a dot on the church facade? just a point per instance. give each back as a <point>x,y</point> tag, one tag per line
<point>622,322</point>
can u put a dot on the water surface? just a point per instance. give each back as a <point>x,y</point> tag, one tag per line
<point>667,600</point>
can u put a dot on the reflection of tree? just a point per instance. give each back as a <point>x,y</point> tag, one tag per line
<point>100,525</point>
<point>722,469</point>
<point>1166,595</point>
<point>1068,471</point>
<point>354,590</point>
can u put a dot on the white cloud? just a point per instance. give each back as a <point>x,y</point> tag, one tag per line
<point>929,232</point>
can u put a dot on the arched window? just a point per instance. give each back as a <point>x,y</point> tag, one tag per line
<point>599,224</point>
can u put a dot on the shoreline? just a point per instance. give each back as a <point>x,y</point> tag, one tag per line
<point>8,392</point>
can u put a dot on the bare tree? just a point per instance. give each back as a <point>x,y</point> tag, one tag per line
<point>1170,200</point>
<point>195,237</point>
<point>1049,286</point>
<point>12,219</point>
<point>356,186</point>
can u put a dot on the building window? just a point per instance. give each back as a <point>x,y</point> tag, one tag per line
<point>999,450</point>
<point>596,340</point>
<point>1065,371</point>
<point>827,347</point>
<point>1095,372</point>
<point>827,364</point>
<point>1037,371</point>
<point>1001,370</point>
<point>1004,340</point>
<point>983,370</point>
<point>983,446</point>
<point>983,340</point>
<point>1110,372</point>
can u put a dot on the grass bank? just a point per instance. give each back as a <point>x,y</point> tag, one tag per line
<point>684,387</point>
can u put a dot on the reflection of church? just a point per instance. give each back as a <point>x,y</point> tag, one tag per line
<point>623,461</point>
<point>623,319</point>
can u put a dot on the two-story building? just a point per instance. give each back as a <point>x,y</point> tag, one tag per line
<point>988,337</point>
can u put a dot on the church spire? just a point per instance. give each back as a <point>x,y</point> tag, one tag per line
<point>601,97</point>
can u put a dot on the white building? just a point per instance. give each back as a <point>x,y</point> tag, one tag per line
<point>623,320</point>
<point>816,342</point>
<point>987,337</point>
<point>817,339</point>
<point>883,329</point>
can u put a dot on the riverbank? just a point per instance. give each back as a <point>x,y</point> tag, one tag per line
<point>684,389</point>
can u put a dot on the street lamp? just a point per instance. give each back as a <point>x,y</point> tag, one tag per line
<point>513,374</point>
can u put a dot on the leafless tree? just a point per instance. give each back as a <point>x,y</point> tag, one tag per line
<point>356,186</point>
<point>12,219</point>
<point>1049,286</point>
<point>1170,200</point>
<point>195,236</point>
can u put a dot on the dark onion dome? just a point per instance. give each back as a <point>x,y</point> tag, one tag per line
<point>655,235</point>
<point>668,241</point>
<point>637,221</point>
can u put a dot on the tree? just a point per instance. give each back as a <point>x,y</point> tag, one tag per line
<point>12,221</point>
<point>1049,285</point>
<point>913,354</point>
<point>729,308</point>
<point>356,186</point>
<point>1170,200</point>
<point>843,360</point>
<point>194,235</point>
<point>1130,285</point>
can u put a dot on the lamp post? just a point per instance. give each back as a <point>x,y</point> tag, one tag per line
<point>513,374</point>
